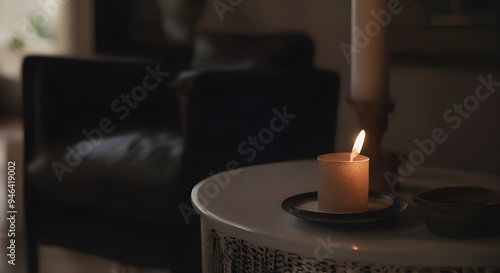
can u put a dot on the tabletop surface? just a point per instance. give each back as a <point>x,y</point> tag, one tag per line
<point>246,204</point>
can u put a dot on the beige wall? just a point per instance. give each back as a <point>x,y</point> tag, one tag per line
<point>422,93</point>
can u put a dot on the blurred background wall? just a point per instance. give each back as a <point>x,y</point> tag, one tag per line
<point>429,71</point>
<point>433,66</point>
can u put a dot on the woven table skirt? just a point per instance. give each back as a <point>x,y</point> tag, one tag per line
<point>225,254</point>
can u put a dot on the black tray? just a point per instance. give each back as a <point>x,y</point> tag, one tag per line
<point>380,206</point>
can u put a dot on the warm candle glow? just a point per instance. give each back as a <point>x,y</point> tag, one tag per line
<point>358,144</point>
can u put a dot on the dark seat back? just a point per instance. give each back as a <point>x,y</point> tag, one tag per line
<point>258,116</point>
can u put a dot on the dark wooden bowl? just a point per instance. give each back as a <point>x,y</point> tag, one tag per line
<point>461,212</point>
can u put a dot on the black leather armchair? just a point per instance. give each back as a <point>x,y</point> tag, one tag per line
<point>108,164</point>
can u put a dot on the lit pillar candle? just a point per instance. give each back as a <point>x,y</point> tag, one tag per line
<point>344,180</point>
<point>369,71</point>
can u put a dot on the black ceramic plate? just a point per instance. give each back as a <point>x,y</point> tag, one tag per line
<point>380,206</point>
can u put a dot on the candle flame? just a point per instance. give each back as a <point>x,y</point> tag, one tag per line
<point>358,144</point>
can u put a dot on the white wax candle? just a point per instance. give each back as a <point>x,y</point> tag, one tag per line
<point>369,71</point>
<point>343,184</point>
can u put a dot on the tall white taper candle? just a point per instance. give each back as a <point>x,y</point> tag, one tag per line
<point>369,70</point>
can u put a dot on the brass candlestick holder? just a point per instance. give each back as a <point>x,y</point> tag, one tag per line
<point>372,117</point>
